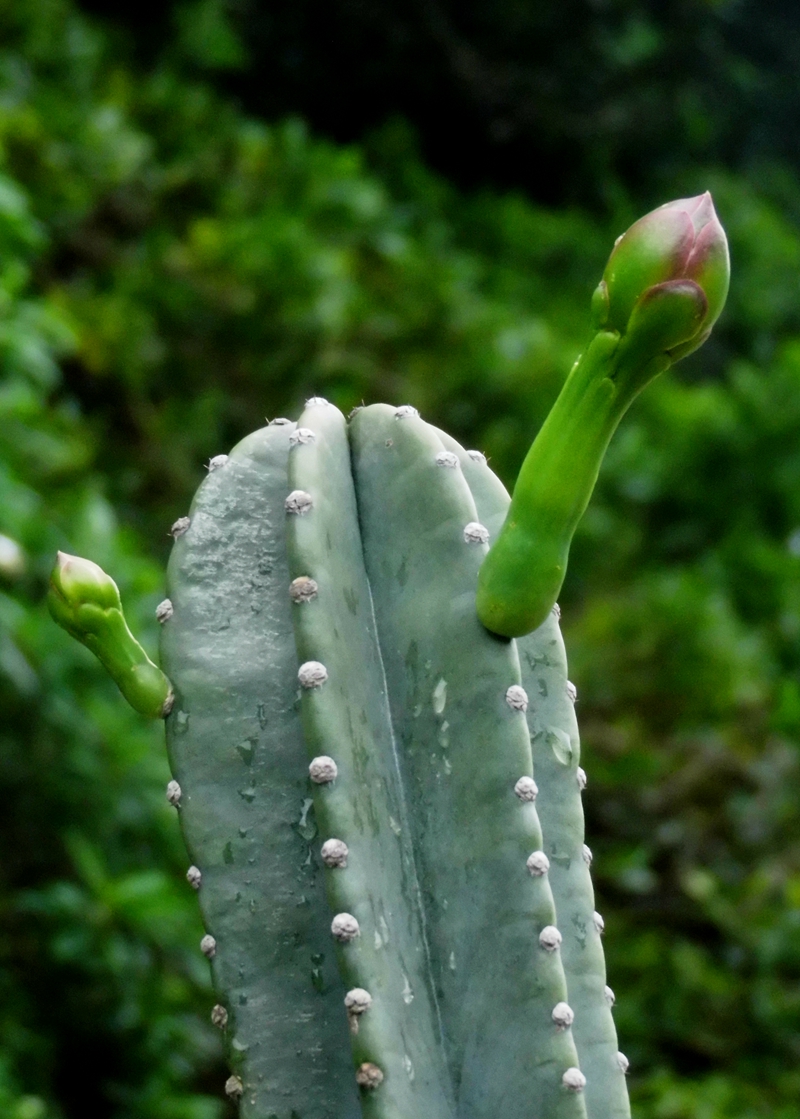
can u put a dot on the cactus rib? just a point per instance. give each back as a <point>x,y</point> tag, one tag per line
<point>551,715</point>
<point>463,748</point>
<point>391,1001</point>
<point>236,749</point>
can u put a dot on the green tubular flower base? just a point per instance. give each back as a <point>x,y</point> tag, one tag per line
<point>391,935</point>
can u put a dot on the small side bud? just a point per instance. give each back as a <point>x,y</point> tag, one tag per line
<point>174,793</point>
<point>85,601</point>
<point>208,946</point>
<point>219,1017</point>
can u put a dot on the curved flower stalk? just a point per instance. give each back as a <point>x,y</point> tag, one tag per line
<point>663,289</point>
<point>86,603</point>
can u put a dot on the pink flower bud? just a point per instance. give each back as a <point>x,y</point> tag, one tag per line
<point>683,244</point>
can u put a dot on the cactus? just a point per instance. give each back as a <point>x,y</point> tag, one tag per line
<point>380,795</point>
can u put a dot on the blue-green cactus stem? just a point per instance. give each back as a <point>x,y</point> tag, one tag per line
<point>85,601</point>
<point>236,748</point>
<point>356,785</point>
<point>458,714</point>
<point>556,757</point>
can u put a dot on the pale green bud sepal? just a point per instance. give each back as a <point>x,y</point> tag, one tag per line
<point>85,601</point>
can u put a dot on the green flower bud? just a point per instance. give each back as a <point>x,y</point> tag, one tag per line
<point>680,241</point>
<point>77,582</point>
<point>85,602</point>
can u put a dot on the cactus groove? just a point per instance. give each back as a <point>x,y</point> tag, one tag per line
<point>358,760</point>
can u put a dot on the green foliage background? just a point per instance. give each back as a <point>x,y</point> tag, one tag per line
<point>172,269</point>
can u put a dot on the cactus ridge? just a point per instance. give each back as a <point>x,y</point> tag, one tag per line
<point>355,763</point>
<point>236,748</point>
<point>551,716</point>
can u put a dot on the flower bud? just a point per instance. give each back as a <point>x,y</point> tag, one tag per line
<point>85,602</point>
<point>80,582</point>
<point>681,250</point>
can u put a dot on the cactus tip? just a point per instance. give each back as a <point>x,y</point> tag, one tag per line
<point>586,853</point>
<point>219,1017</point>
<point>216,463</point>
<point>208,946</point>
<point>477,456</point>
<point>194,877</point>
<point>174,793</point>
<point>581,778</point>
<point>572,692</point>
<point>623,1062</point>
<point>405,411</point>
<point>609,995</point>
<point>598,923</point>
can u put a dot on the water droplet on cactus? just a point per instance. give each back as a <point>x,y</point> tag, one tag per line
<point>440,697</point>
<point>561,744</point>
<point>408,994</point>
